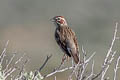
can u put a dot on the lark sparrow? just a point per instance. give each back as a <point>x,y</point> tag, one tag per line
<point>66,39</point>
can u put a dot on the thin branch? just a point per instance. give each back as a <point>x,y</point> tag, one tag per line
<point>83,70</point>
<point>2,56</point>
<point>116,68</point>
<point>108,61</point>
<point>92,72</point>
<point>10,72</point>
<point>20,59</point>
<point>90,57</point>
<point>106,65</point>
<point>58,71</point>
<point>75,69</point>
<point>20,74</point>
<point>84,54</point>
<point>111,46</point>
<point>48,57</point>
<point>112,57</point>
<point>55,78</point>
<point>43,65</point>
<point>10,61</point>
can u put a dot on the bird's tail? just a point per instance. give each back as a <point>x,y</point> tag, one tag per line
<point>76,58</point>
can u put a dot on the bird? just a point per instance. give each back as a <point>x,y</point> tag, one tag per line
<point>66,38</point>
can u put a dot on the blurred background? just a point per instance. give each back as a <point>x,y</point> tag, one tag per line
<point>26,24</point>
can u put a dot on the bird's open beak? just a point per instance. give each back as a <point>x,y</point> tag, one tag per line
<point>52,20</point>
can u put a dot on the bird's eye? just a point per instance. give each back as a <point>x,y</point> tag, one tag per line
<point>57,19</point>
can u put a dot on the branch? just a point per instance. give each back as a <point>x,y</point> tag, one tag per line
<point>116,68</point>
<point>48,57</point>
<point>108,61</point>
<point>3,53</point>
<point>10,61</point>
<point>111,47</point>
<point>92,72</point>
<point>43,65</point>
<point>58,71</point>
<point>85,65</point>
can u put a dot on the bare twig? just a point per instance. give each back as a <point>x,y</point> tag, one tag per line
<point>10,72</point>
<point>57,71</point>
<point>90,57</point>
<point>108,61</point>
<point>84,54</point>
<point>106,65</point>
<point>111,46</point>
<point>75,70</point>
<point>48,57</point>
<point>20,59</point>
<point>92,72</point>
<point>43,65</point>
<point>10,61</point>
<point>85,65</point>
<point>116,68</point>
<point>20,75</point>
<point>3,53</point>
<point>8,69</point>
<point>55,78</point>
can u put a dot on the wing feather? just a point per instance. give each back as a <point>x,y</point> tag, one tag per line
<point>61,42</point>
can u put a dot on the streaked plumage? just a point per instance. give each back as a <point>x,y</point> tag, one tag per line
<point>66,39</point>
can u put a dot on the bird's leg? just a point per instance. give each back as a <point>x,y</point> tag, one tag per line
<point>62,63</point>
<point>67,58</point>
<point>63,59</point>
<point>72,62</point>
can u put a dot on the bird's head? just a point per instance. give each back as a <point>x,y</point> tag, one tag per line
<point>59,21</point>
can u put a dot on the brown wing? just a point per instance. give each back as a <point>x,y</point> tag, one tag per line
<point>72,45</point>
<point>76,54</point>
<point>76,44</point>
<point>61,42</point>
